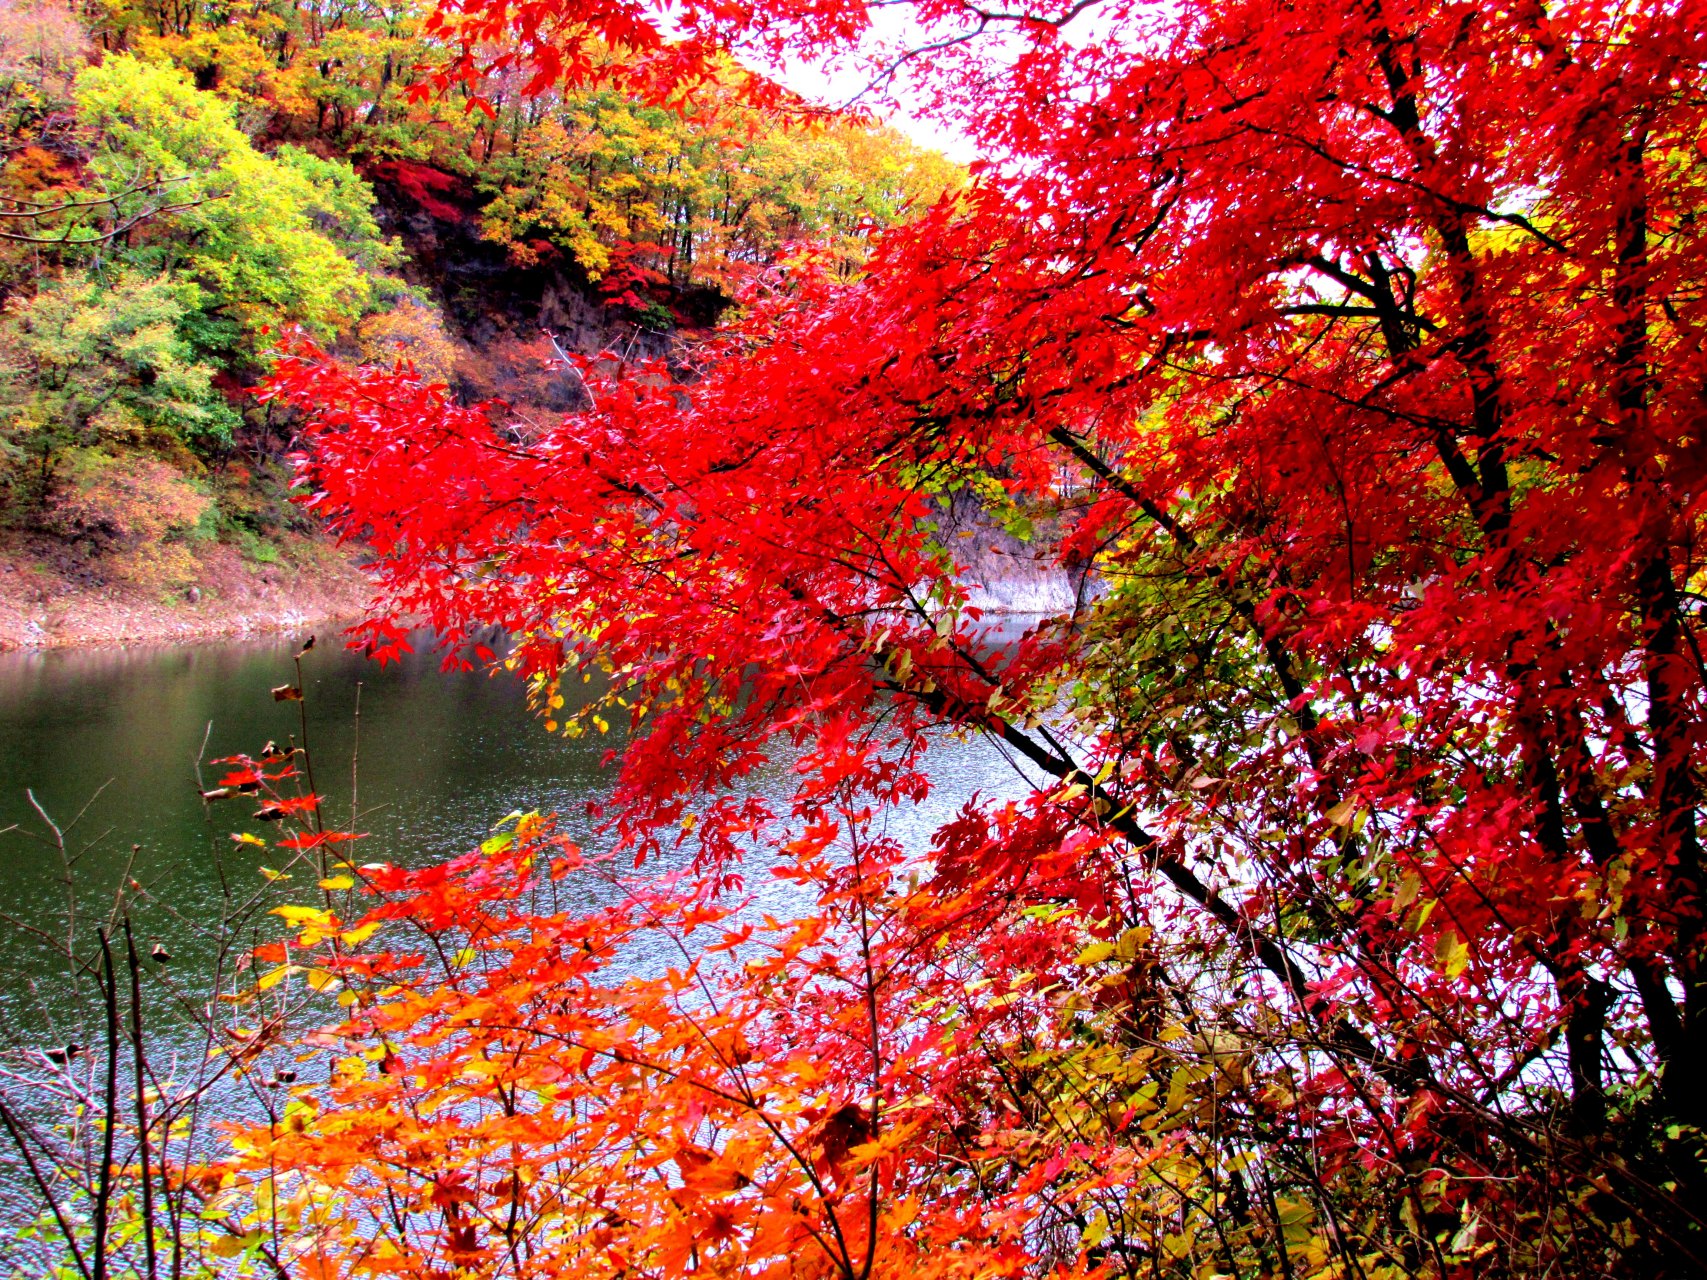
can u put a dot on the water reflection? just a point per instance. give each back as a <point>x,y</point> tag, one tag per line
<point>116,735</point>
<point>107,743</point>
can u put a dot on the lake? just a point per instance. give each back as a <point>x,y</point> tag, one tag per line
<point>108,743</point>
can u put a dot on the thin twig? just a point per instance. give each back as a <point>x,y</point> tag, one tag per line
<point>43,1186</point>
<point>137,1058</point>
<point>110,1109</point>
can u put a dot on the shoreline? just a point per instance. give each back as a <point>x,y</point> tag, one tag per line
<point>182,629</point>
<point>44,606</point>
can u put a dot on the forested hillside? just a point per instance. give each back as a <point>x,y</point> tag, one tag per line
<point>180,180</point>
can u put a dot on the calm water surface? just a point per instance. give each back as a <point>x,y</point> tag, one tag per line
<point>108,742</point>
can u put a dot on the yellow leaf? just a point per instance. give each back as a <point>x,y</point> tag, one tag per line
<point>273,977</point>
<point>224,1246</point>
<point>1131,940</point>
<point>304,915</point>
<point>1452,954</point>
<point>1097,951</point>
<point>1408,889</point>
<point>1096,1232</point>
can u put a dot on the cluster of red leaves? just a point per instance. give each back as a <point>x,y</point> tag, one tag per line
<point>629,282</point>
<point>1360,348</point>
<point>425,186</point>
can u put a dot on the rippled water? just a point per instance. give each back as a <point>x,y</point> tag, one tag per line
<point>108,743</point>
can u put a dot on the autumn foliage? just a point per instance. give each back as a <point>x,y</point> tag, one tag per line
<point>1354,922</point>
<point>178,180</point>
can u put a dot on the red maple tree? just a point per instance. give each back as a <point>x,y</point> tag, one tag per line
<point>1355,925</point>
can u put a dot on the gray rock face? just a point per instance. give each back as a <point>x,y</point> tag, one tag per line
<point>1005,575</point>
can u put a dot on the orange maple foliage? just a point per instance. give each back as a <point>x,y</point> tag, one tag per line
<point>675,1083</point>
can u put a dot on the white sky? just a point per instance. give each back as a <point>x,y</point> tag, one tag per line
<point>835,82</point>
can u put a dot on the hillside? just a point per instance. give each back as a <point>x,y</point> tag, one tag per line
<point>179,183</point>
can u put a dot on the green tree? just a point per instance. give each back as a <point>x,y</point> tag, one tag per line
<point>288,237</point>
<point>697,195</point>
<point>91,362</point>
